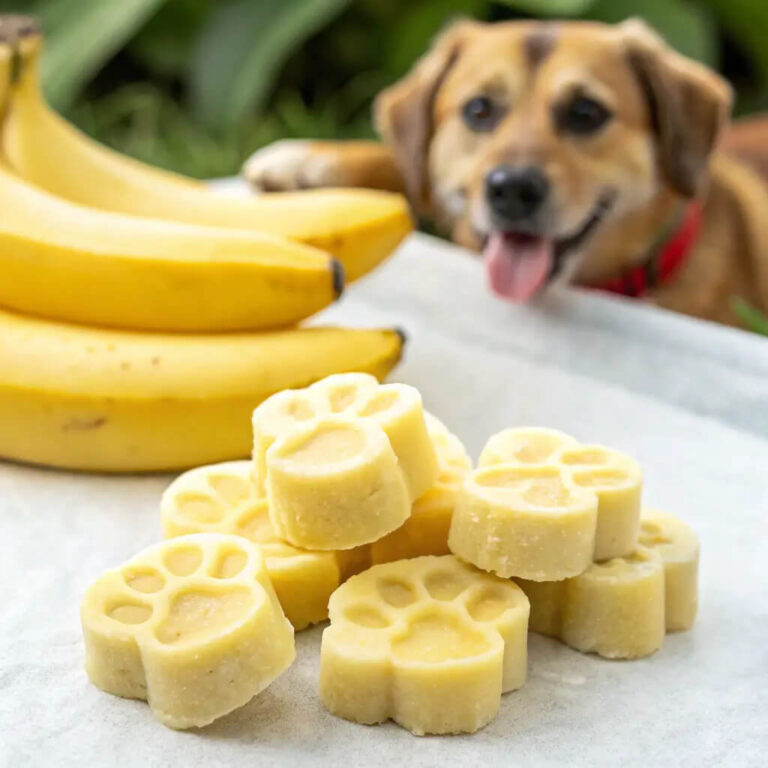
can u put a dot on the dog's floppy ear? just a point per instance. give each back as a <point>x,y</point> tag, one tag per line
<point>689,105</point>
<point>403,112</point>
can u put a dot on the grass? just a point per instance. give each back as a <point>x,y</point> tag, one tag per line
<point>751,318</point>
<point>143,121</point>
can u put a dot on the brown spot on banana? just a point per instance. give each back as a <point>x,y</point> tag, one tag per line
<point>78,424</point>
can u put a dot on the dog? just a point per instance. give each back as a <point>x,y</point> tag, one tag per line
<point>567,152</point>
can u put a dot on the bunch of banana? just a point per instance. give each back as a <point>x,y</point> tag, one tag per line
<point>155,264</point>
<point>357,227</point>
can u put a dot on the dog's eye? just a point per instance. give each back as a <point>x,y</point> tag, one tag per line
<point>480,113</point>
<point>582,115</point>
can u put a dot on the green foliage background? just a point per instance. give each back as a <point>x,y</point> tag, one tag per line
<point>196,85</point>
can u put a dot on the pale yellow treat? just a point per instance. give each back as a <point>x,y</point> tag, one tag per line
<point>425,532</point>
<point>618,483</point>
<point>614,477</point>
<point>337,394</point>
<point>335,484</point>
<point>273,418</point>
<point>679,549</point>
<point>431,643</point>
<point>531,522</point>
<point>616,608</point>
<point>398,410</point>
<point>342,393</point>
<point>546,599</point>
<point>192,625</point>
<point>222,498</point>
<point>524,445</point>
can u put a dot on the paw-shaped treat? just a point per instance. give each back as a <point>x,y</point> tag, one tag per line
<point>425,532</point>
<point>335,483</point>
<point>222,498</point>
<point>615,608</point>
<point>533,522</point>
<point>524,445</point>
<point>398,410</point>
<point>192,625</point>
<point>293,407</point>
<point>431,643</point>
<point>614,477</point>
<point>395,408</point>
<point>547,600</point>
<point>678,546</point>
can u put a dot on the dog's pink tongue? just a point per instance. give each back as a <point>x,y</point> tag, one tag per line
<point>517,267</point>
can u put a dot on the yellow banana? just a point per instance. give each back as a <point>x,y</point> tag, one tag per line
<point>358,227</point>
<point>116,401</point>
<point>69,262</point>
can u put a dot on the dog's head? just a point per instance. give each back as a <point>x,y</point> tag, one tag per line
<point>539,142</point>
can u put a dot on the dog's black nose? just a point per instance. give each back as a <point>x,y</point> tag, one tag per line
<point>515,194</point>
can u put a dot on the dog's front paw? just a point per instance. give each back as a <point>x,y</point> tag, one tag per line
<point>288,165</point>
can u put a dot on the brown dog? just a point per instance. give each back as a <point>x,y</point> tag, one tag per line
<point>571,151</point>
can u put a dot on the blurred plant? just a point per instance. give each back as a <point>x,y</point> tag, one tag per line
<point>196,85</point>
<point>750,317</point>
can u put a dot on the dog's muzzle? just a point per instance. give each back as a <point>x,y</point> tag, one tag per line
<point>516,196</point>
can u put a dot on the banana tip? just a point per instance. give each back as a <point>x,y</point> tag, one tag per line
<point>402,334</point>
<point>338,277</point>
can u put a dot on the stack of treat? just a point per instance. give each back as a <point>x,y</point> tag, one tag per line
<point>360,507</point>
<point>564,520</point>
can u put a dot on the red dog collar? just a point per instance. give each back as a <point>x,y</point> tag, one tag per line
<point>664,261</point>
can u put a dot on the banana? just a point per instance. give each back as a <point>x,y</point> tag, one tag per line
<point>359,227</point>
<point>69,262</point>
<point>64,261</point>
<point>116,401</point>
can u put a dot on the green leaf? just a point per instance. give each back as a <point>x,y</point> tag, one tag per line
<point>686,26</point>
<point>747,22</point>
<point>549,7</point>
<point>242,49</point>
<point>81,35</point>
<point>418,24</point>
<point>753,319</point>
<point>166,40</point>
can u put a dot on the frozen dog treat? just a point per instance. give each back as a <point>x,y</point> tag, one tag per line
<point>679,549</point>
<point>192,625</point>
<point>527,521</point>
<point>222,498</point>
<point>616,608</point>
<point>276,416</point>
<point>342,393</point>
<point>546,599</point>
<point>613,477</point>
<point>395,408</point>
<point>335,484</point>
<point>430,643</point>
<point>398,410</point>
<point>618,483</point>
<point>524,445</point>
<point>425,532</point>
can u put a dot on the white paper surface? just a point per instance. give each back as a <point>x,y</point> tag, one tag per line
<point>687,399</point>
